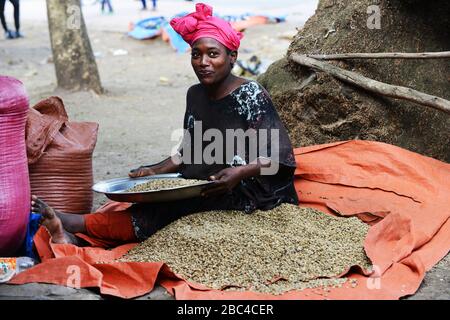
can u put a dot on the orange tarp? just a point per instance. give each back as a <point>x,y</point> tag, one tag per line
<point>403,196</point>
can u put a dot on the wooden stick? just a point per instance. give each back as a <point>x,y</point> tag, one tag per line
<point>373,85</point>
<point>381,55</point>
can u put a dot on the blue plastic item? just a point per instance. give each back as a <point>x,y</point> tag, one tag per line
<point>147,28</point>
<point>32,228</point>
<point>175,39</point>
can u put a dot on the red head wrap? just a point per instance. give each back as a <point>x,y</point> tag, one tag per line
<point>202,24</point>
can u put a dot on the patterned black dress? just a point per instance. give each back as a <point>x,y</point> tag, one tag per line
<point>219,134</point>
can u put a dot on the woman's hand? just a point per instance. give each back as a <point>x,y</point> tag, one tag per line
<point>225,180</point>
<point>169,165</point>
<point>142,171</point>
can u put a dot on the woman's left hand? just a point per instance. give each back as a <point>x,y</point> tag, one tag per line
<point>225,181</point>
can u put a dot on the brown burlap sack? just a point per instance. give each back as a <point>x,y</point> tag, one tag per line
<point>60,157</point>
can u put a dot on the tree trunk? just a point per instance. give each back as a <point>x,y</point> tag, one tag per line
<point>74,60</point>
<point>327,109</point>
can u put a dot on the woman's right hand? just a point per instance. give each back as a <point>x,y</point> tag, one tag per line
<point>142,171</point>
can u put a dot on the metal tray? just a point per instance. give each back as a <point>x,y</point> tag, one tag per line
<point>114,189</point>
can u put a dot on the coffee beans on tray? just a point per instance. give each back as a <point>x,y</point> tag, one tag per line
<point>164,184</point>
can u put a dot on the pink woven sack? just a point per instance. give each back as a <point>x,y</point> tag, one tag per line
<point>14,181</point>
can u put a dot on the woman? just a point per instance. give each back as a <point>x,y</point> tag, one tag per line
<point>221,103</point>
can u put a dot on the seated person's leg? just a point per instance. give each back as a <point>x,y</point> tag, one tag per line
<point>53,223</point>
<point>137,223</point>
<point>113,226</point>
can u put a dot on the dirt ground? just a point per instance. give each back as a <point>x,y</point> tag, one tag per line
<point>144,100</point>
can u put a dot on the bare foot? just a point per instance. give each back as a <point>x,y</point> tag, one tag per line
<point>50,221</point>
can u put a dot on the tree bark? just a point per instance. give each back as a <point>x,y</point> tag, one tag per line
<point>373,85</point>
<point>74,60</point>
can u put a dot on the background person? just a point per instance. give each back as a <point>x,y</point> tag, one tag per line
<point>144,5</point>
<point>107,3</point>
<point>8,33</point>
